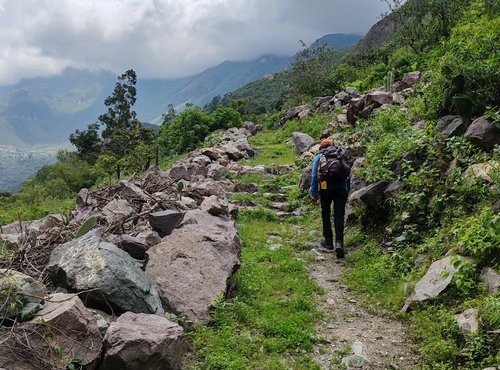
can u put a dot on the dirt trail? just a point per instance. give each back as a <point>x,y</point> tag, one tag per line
<point>384,341</point>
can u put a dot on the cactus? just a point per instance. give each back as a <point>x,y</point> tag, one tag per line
<point>86,226</point>
<point>389,79</point>
<point>180,188</point>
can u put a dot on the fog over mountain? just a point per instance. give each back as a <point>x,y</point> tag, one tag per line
<point>164,38</point>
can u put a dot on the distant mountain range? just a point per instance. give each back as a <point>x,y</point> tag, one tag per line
<point>37,115</point>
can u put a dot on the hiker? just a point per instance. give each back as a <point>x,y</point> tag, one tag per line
<point>331,181</point>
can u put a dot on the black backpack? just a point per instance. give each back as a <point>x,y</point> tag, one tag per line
<point>334,165</point>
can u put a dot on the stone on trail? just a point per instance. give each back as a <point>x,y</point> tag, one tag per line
<point>436,279</point>
<point>358,359</point>
<point>143,342</point>
<point>107,277</point>
<point>195,264</point>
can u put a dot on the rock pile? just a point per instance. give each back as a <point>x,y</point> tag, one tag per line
<point>148,245</point>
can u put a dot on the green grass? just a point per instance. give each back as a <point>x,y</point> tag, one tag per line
<point>273,149</point>
<point>269,324</point>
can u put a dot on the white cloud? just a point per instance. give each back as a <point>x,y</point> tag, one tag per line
<point>164,38</point>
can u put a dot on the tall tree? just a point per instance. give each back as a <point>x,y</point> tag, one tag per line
<point>120,116</point>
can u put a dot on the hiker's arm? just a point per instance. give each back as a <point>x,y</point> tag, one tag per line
<point>314,178</point>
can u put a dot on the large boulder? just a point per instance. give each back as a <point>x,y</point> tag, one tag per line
<point>301,142</point>
<point>450,126</point>
<point>377,98</point>
<point>371,195</point>
<point>64,330</point>
<point>232,152</point>
<point>296,111</point>
<point>105,276</point>
<point>143,342</point>
<point>409,79</point>
<point>484,171</point>
<point>437,278</point>
<point>195,264</point>
<point>252,127</point>
<point>483,133</point>
<point>165,221</point>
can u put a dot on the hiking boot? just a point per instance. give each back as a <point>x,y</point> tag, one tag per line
<point>326,247</point>
<point>339,249</point>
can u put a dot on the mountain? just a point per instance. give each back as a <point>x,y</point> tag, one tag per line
<point>337,41</point>
<point>46,110</point>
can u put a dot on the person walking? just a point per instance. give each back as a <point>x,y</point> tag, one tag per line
<point>330,183</point>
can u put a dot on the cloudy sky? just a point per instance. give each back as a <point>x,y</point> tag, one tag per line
<point>164,38</point>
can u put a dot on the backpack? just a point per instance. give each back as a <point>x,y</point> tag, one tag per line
<point>333,164</point>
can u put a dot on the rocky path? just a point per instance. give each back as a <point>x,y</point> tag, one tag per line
<point>379,341</point>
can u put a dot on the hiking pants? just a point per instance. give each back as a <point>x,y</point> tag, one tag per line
<point>336,193</point>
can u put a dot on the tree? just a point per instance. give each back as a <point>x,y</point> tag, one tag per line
<point>312,71</point>
<point>87,142</point>
<point>423,23</point>
<point>169,115</point>
<point>120,115</point>
<point>185,132</point>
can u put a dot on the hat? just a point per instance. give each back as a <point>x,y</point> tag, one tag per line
<point>325,142</point>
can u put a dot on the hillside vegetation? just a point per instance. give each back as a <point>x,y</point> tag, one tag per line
<point>444,200</point>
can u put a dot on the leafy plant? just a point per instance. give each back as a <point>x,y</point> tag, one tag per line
<point>86,226</point>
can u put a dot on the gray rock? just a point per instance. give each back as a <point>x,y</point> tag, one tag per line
<point>232,152</point>
<point>131,191</point>
<point>492,279</point>
<point>135,247</point>
<point>358,359</point>
<point>483,133</point>
<point>393,189</point>
<point>165,221</point>
<point>305,179</point>
<point>468,322</point>
<point>436,279</point>
<point>143,342</point>
<point>371,195</point>
<point>295,112</point>
<point>149,237</point>
<point>246,188</point>
<point>214,154</point>
<point>105,276</point>
<point>252,127</point>
<point>205,188</point>
<point>195,264</point>
<point>84,199</point>
<point>409,79</point>
<point>215,206</point>
<point>178,172</point>
<point>117,210</point>
<point>216,171</point>
<point>301,142</point>
<point>450,126</point>
<point>484,171</point>
<point>377,99</point>
<point>16,286</point>
<point>64,322</point>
